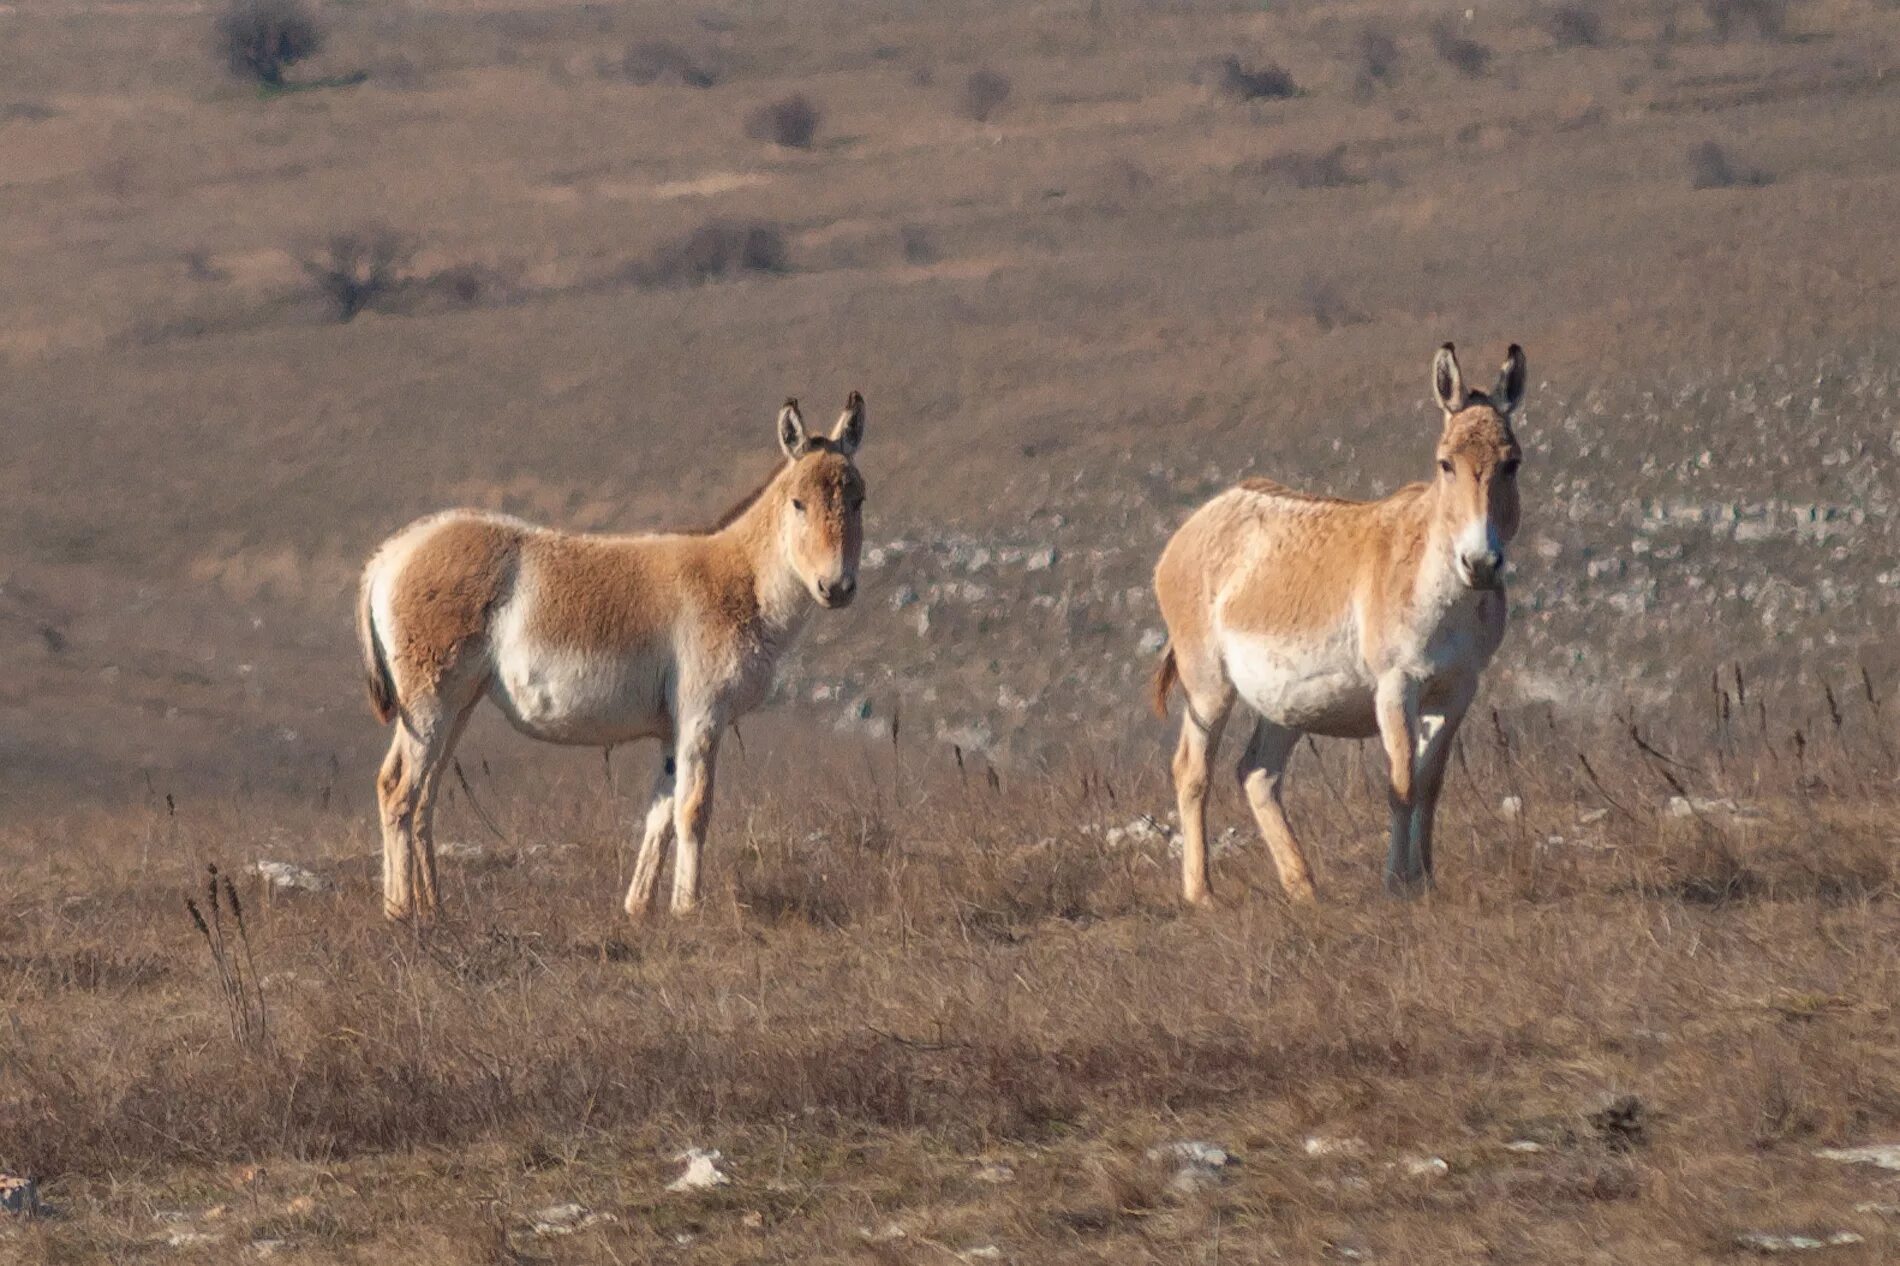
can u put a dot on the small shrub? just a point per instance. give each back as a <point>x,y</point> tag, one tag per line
<point>791,122</point>
<point>919,247</point>
<point>1324,170</point>
<point>1249,83</point>
<point>983,92</point>
<point>260,39</point>
<point>1730,18</point>
<point>1377,56</point>
<point>649,61</point>
<point>1465,55</point>
<point>356,270</point>
<point>1711,168</point>
<point>1575,26</point>
<point>1322,302</point>
<point>713,251</point>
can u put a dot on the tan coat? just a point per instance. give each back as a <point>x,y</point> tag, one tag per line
<point>1346,619</point>
<point>598,640</point>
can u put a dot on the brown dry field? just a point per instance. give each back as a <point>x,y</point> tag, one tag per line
<point>1074,319</point>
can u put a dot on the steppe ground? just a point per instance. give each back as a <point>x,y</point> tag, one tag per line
<point>942,1002</point>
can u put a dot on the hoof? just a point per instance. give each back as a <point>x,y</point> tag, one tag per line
<point>1302,894</point>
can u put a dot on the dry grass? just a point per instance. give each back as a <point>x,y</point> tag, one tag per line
<point>905,975</point>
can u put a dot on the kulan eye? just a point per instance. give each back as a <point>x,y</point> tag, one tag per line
<point>1444,464</point>
<point>798,505</point>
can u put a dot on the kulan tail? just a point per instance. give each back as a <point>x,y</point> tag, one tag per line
<point>382,687</point>
<point>1167,673</point>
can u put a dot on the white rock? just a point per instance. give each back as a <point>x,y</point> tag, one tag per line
<point>185,1237</point>
<point>566,1219</point>
<point>285,877</point>
<point>1041,560</point>
<point>996,1174</point>
<point>1152,640</point>
<point>1512,807</point>
<point>982,1253</point>
<point>1523,1145</point>
<point>1425,1166</point>
<point>702,1170</point>
<point>1880,1208</point>
<point>1885,1155</point>
<point>1326,1145</point>
<point>1769,1242</point>
<point>1197,1163</point>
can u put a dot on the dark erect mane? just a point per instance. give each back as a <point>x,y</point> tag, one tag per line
<point>743,504</point>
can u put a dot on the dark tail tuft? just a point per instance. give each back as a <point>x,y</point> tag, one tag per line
<point>1166,675</point>
<point>382,688</point>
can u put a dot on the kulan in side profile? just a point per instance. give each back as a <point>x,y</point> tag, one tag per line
<point>1346,619</point>
<point>598,640</point>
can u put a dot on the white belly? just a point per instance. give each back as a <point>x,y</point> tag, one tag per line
<point>566,696</point>
<point>1320,686</point>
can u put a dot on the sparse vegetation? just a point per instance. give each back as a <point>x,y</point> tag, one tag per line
<point>1766,19</point>
<point>356,270</point>
<point>1460,51</point>
<point>1326,169</point>
<point>1711,167</point>
<point>261,39</point>
<point>717,250</point>
<point>984,92</point>
<point>1575,26</point>
<point>1235,78</point>
<point>654,61</point>
<point>791,122</point>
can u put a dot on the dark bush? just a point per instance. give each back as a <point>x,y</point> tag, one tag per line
<point>983,92</point>
<point>649,61</point>
<point>354,271</point>
<point>1249,83</point>
<point>1575,26</point>
<point>1377,56</point>
<point>716,250</point>
<point>791,121</point>
<point>919,246</point>
<point>1465,55</point>
<point>1768,19</point>
<point>260,39</point>
<point>1710,167</point>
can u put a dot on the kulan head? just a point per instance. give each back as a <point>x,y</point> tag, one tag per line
<point>1478,457</point>
<point>823,502</point>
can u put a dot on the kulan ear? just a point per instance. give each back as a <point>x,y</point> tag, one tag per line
<point>791,430</point>
<point>1509,392</point>
<point>849,433</point>
<point>1448,383</point>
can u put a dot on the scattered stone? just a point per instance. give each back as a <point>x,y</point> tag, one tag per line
<point>1879,1208</point>
<point>996,1173</point>
<point>1425,1166</point>
<point>1137,831</point>
<point>1707,807</point>
<point>1593,817</point>
<point>1322,1145</point>
<point>1041,560</point>
<point>1770,1242</point>
<point>1885,1155</point>
<point>1512,807</point>
<point>752,1220</point>
<point>1196,1163</point>
<point>702,1170</point>
<point>566,1219</point>
<point>461,850</point>
<point>20,1196</point>
<point>1152,640</point>
<point>982,1253</point>
<point>1523,1145</point>
<point>269,1248</point>
<point>185,1237</point>
<point>885,1234</point>
<point>285,877</point>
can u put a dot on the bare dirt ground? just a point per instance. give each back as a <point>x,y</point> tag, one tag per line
<point>1124,286</point>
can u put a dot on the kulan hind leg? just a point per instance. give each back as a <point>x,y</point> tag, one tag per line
<point>406,791</point>
<point>1201,726</point>
<point>659,830</point>
<point>1261,771</point>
